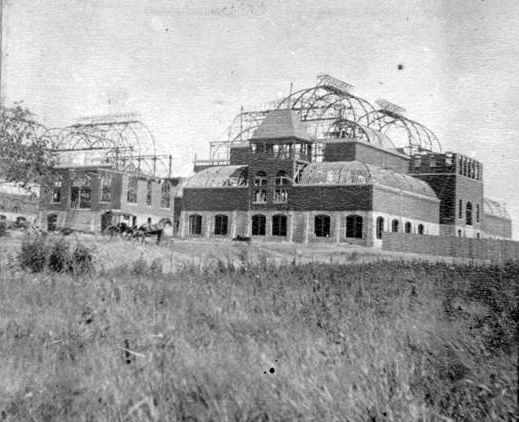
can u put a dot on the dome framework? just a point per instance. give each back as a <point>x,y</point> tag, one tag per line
<point>329,110</point>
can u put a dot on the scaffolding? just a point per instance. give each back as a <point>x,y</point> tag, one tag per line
<point>330,110</point>
<point>119,141</point>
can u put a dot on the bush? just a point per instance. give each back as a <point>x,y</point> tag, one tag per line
<point>38,253</point>
<point>59,258</point>
<point>81,261</point>
<point>33,254</point>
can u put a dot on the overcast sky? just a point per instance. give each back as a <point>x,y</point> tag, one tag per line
<point>188,66</point>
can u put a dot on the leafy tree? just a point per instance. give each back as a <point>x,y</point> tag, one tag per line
<point>26,155</point>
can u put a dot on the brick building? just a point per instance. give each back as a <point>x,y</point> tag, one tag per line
<point>273,187</point>
<point>91,198</point>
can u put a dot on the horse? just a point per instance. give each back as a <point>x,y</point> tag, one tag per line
<point>120,229</point>
<point>147,230</point>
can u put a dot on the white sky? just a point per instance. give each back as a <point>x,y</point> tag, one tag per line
<point>188,65</point>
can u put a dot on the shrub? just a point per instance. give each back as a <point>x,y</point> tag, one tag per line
<point>81,261</point>
<point>59,257</point>
<point>38,253</point>
<point>33,254</point>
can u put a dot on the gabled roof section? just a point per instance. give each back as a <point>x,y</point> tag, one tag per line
<point>282,124</point>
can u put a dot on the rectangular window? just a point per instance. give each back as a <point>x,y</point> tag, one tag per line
<point>280,196</point>
<point>259,223</point>
<point>131,194</point>
<point>106,188</point>
<point>165,197</point>
<point>279,225</point>
<point>56,192</point>
<point>149,192</point>
<point>260,196</point>
<point>195,224</point>
<point>220,224</point>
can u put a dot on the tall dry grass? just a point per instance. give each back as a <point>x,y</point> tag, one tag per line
<point>388,341</point>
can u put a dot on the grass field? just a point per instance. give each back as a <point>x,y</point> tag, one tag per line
<point>257,333</point>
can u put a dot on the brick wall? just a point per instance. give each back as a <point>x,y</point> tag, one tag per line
<point>331,198</point>
<point>495,250</point>
<point>394,202</point>
<point>351,150</point>
<point>215,199</point>
<point>239,155</point>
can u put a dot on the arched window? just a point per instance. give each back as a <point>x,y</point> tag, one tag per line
<point>460,209</point>
<point>380,227</point>
<point>282,179</point>
<point>279,225</point>
<point>16,208</point>
<point>420,228</point>
<point>56,191</point>
<point>394,226</point>
<point>259,223</point>
<point>80,192</point>
<point>354,226</point>
<point>477,213</point>
<point>260,179</point>
<point>195,224</point>
<point>322,225</point>
<point>131,193</point>
<point>408,227</point>
<point>106,188</point>
<point>149,192</point>
<point>220,224</point>
<point>281,193</point>
<point>165,197</point>
<point>468,214</point>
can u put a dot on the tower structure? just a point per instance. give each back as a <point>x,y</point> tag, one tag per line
<point>457,180</point>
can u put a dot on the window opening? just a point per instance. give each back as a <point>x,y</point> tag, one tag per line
<point>260,179</point>
<point>131,193</point>
<point>195,224</point>
<point>380,227</point>
<point>259,223</point>
<point>260,196</point>
<point>56,191</point>
<point>420,229</point>
<point>280,196</point>
<point>149,192</point>
<point>220,224</point>
<point>468,214</point>
<point>106,188</point>
<point>408,227</point>
<point>322,225</point>
<point>354,226</point>
<point>394,226</point>
<point>165,197</point>
<point>279,225</point>
<point>80,192</point>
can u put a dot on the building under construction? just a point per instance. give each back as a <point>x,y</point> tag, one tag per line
<point>109,172</point>
<point>326,165</point>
